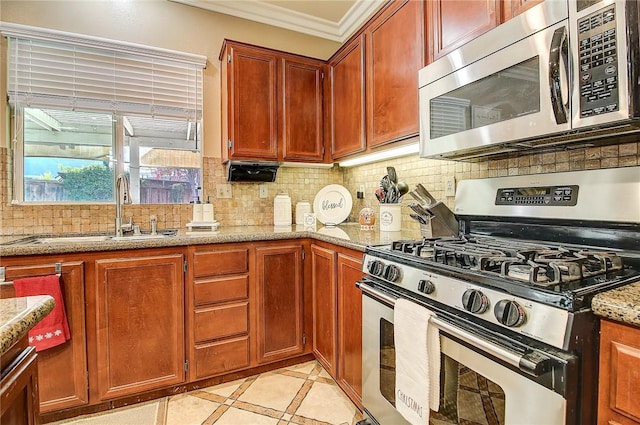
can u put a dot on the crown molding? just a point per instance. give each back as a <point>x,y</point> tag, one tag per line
<point>281,17</point>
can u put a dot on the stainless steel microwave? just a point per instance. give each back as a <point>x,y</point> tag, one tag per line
<point>560,73</point>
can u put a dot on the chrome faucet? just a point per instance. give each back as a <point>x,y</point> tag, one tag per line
<point>123,196</point>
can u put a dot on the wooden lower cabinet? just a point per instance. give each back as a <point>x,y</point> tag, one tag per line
<point>619,376</point>
<point>19,387</point>
<point>323,264</point>
<point>350,325</point>
<point>62,369</point>
<point>218,310</point>
<point>279,301</point>
<point>337,316</point>
<point>139,324</point>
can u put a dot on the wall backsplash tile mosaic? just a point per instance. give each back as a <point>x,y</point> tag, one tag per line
<point>301,183</point>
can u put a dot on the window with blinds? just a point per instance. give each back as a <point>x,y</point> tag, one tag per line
<point>87,109</point>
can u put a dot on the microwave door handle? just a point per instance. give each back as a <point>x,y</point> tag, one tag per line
<point>558,48</point>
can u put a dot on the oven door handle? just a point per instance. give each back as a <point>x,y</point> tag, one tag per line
<point>532,363</point>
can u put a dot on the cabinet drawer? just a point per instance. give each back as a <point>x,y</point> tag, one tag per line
<point>208,291</point>
<point>225,261</point>
<point>221,321</point>
<point>221,357</point>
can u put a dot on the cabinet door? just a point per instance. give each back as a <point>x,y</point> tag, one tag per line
<point>323,265</point>
<point>454,22</point>
<point>512,8</point>
<point>301,91</point>
<point>619,392</point>
<point>347,100</point>
<point>279,302</point>
<point>18,391</point>
<point>252,107</point>
<point>350,326</point>
<point>62,369</point>
<point>392,72</point>
<point>139,324</point>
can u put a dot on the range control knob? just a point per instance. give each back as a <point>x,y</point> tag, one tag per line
<point>375,267</point>
<point>475,301</point>
<point>509,313</point>
<point>392,273</point>
<point>426,286</point>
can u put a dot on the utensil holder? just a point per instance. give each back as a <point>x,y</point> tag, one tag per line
<point>390,217</point>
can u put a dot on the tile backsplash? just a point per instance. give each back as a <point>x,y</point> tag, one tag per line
<point>247,208</point>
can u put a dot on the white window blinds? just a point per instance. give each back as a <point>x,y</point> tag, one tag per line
<point>55,69</point>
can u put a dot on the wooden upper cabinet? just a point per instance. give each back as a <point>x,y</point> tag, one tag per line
<point>272,104</point>
<point>395,54</point>
<point>62,369</point>
<point>301,116</point>
<point>511,8</point>
<point>347,110</point>
<point>454,22</point>
<point>251,104</point>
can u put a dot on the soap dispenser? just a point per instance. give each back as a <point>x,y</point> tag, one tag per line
<point>197,210</point>
<point>207,211</point>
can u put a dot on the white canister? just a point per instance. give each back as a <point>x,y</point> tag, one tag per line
<point>282,210</point>
<point>390,217</point>
<point>302,208</point>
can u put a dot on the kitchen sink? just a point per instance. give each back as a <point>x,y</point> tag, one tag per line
<point>90,239</point>
<point>139,237</point>
<point>71,239</point>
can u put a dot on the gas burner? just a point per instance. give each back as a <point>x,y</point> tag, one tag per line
<point>537,264</point>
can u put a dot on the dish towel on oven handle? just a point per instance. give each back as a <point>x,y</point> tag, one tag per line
<point>417,348</point>
<point>53,330</point>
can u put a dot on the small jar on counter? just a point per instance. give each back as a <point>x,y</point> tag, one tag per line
<point>282,210</point>
<point>302,207</point>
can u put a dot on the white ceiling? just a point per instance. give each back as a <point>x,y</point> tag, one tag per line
<point>334,20</point>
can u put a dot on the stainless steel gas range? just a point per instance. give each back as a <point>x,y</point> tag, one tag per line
<point>510,296</point>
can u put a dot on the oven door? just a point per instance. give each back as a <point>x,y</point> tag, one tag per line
<point>474,388</point>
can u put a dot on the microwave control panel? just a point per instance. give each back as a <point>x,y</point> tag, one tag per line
<point>598,63</point>
<point>538,196</point>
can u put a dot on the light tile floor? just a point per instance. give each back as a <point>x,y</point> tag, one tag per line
<point>302,394</point>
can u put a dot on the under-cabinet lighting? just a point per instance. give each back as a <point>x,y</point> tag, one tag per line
<point>404,150</point>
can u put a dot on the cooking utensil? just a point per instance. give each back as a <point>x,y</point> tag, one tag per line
<point>444,222</point>
<point>380,195</point>
<point>418,218</point>
<point>393,176</point>
<point>403,188</point>
<point>423,196</point>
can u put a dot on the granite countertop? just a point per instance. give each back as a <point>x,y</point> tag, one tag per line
<point>620,304</point>
<point>348,235</point>
<point>19,315</point>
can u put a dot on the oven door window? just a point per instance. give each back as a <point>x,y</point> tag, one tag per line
<point>466,397</point>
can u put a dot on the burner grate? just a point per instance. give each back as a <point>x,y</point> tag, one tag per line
<point>537,264</point>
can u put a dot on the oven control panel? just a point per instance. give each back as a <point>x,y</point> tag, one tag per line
<point>536,320</point>
<point>538,196</point>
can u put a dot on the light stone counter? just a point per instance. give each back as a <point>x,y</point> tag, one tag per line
<point>621,304</point>
<point>19,315</point>
<point>347,235</point>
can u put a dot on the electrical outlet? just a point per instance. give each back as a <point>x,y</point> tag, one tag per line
<point>450,186</point>
<point>360,192</point>
<point>263,190</point>
<point>223,191</point>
